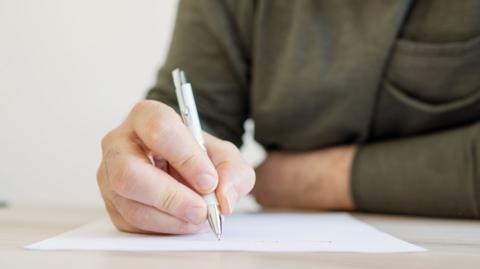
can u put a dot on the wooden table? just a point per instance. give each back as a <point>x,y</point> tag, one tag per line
<point>451,244</point>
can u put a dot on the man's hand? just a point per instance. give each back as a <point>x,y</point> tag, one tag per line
<point>153,173</point>
<point>312,180</point>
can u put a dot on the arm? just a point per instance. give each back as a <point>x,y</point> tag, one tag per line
<point>206,44</point>
<point>431,175</point>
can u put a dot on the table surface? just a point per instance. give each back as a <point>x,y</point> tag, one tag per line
<point>450,243</point>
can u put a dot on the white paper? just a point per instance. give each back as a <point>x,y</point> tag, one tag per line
<point>265,232</point>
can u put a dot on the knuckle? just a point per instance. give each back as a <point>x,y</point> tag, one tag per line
<point>107,140</point>
<point>170,200</point>
<point>159,130</point>
<point>156,108</point>
<point>123,177</point>
<point>166,110</point>
<point>141,106</point>
<point>145,107</point>
<point>187,160</point>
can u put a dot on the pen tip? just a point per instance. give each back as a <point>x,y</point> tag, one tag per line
<point>215,220</point>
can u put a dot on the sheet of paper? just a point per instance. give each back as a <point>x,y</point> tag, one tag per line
<point>266,232</point>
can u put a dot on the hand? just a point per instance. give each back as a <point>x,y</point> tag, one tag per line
<point>318,180</point>
<point>153,173</point>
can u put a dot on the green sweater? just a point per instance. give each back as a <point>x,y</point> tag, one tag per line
<point>399,78</point>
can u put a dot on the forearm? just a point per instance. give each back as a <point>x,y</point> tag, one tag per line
<point>317,179</point>
<point>433,175</point>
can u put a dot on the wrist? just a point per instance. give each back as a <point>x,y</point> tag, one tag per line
<point>334,175</point>
<point>341,178</point>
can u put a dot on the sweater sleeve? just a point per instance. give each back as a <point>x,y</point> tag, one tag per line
<point>432,175</point>
<point>206,44</point>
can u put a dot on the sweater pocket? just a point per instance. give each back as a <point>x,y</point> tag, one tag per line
<point>428,87</point>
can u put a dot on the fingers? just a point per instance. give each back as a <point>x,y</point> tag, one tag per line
<point>106,193</point>
<point>130,174</point>
<point>141,197</point>
<point>236,176</point>
<point>147,218</point>
<point>160,128</point>
<point>132,216</point>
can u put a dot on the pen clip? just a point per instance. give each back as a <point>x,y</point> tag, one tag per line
<point>186,103</point>
<point>178,81</point>
<point>186,116</point>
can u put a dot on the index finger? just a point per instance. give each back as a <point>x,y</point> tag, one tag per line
<point>236,176</point>
<point>160,128</point>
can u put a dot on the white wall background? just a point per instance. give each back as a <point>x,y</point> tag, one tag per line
<point>70,71</point>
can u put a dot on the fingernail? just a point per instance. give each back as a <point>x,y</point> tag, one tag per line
<point>205,183</point>
<point>232,197</point>
<point>195,214</point>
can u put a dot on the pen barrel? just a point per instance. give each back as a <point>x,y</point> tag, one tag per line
<point>192,120</point>
<point>190,115</point>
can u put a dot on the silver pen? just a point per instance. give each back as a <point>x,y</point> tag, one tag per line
<point>188,111</point>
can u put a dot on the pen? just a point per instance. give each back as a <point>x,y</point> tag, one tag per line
<point>188,111</point>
